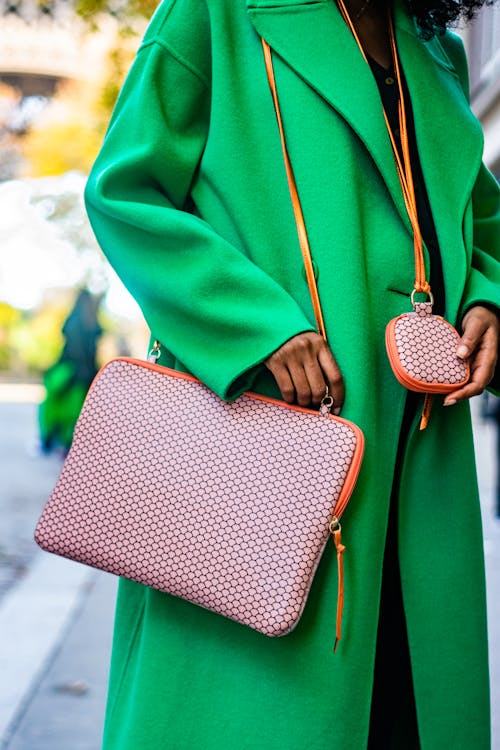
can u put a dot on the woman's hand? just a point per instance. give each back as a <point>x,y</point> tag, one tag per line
<point>481,329</point>
<point>303,367</point>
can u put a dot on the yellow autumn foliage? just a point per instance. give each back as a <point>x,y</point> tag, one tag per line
<point>60,147</point>
<point>69,133</point>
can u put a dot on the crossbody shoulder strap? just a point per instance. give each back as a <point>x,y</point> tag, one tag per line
<point>297,209</point>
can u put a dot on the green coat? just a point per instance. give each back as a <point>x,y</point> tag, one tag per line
<point>190,203</point>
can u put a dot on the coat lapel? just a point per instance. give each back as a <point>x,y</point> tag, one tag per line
<point>312,38</point>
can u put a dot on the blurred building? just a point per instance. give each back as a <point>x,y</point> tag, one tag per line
<point>46,48</point>
<point>482,40</point>
<point>43,42</point>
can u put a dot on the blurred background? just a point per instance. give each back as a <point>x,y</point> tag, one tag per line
<point>63,313</point>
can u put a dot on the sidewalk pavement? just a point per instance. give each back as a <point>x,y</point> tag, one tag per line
<point>63,709</point>
<point>56,616</point>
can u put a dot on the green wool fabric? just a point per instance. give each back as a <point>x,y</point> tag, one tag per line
<point>189,201</point>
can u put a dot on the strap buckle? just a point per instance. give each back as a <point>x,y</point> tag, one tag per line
<point>429,294</point>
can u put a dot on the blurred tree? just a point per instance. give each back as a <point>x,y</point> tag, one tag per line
<point>68,135</point>
<point>119,60</point>
<point>60,147</point>
<point>10,156</point>
<point>9,319</point>
<point>125,11</point>
<point>30,340</point>
<point>37,339</point>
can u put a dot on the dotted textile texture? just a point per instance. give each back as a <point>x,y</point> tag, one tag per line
<point>224,504</point>
<point>427,347</point>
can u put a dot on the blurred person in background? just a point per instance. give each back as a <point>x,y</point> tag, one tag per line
<point>68,380</point>
<point>189,201</point>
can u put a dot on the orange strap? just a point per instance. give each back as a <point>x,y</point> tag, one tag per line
<point>297,209</point>
<point>313,289</point>
<point>403,167</point>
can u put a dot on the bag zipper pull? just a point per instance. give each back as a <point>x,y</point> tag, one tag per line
<point>426,411</point>
<point>326,404</point>
<point>155,352</point>
<point>336,532</point>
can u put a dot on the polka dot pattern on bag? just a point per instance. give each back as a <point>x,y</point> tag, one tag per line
<point>427,345</point>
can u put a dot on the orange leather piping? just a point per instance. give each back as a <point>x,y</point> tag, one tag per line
<point>403,167</point>
<point>297,209</point>
<point>407,380</point>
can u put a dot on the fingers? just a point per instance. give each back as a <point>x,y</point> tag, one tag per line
<point>479,342</point>
<point>483,366</point>
<point>333,377</point>
<point>303,367</point>
<point>305,392</point>
<point>474,327</point>
<point>284,381</point>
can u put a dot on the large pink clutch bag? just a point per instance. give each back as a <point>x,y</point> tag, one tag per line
<point>227,505</point>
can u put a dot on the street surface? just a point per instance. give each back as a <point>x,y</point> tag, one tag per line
<point>56,616</point>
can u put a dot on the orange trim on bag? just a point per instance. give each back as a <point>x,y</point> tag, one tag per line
<point>354,468</point>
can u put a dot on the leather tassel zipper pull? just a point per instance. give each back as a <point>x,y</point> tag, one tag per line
<point>426,411</point>
<point>336,531</point>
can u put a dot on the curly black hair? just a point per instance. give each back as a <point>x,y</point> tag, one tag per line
<point>434,16</point>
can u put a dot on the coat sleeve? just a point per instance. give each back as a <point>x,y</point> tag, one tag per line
<point>483,279</point>
<point>215,310</point>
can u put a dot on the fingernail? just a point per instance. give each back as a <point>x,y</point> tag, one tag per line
<point>451,402</point>
<point>462,351</point>
<point>337,411</point>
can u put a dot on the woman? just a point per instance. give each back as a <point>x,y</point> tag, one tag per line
<point>68,380</point>
<point>189,201</point>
